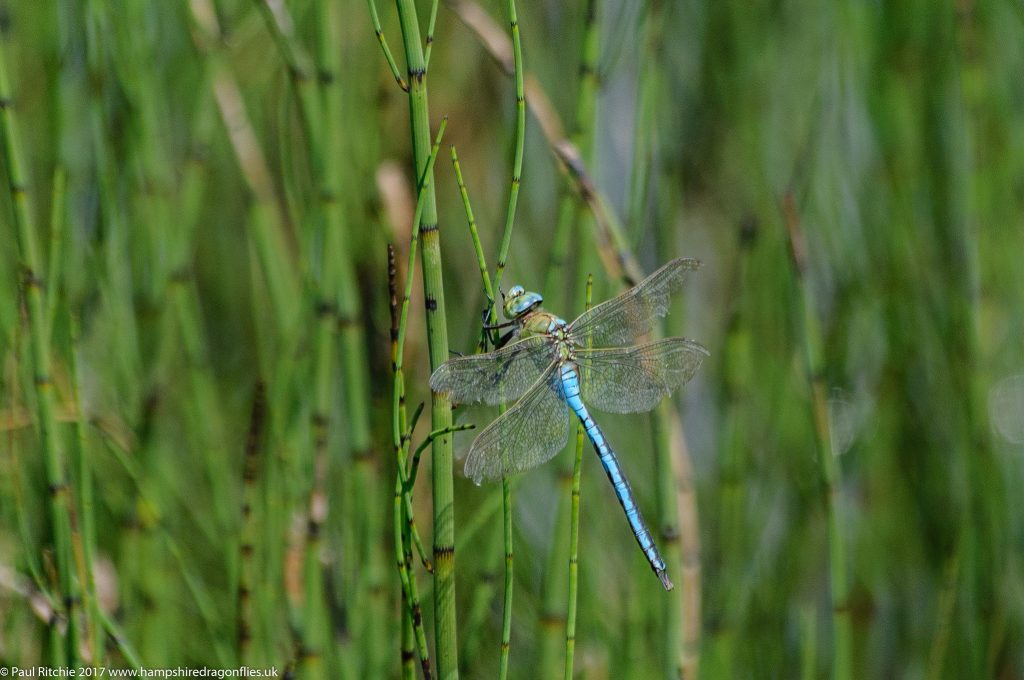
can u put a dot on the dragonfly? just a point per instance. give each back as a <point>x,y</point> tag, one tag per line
<point>551,370</point>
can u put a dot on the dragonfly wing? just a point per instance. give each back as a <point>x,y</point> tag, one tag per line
<point>494,378</point>
<point>635,379</point>
<point>632,314</point>
<point>528,434</point>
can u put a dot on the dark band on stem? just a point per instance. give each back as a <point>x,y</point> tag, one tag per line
<point>313,530</point>
<point>323,308</point>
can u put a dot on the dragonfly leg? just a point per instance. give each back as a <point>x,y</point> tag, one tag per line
<point>503,340</point>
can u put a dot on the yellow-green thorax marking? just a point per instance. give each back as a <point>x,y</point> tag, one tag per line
<point>524,307</point>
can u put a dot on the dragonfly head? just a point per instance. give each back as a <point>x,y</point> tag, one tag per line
<point>519,301</point>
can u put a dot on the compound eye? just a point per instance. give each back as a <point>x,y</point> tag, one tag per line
<point>515,291</point>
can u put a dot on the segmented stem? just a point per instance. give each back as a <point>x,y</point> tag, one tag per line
<point>402,502</point>
<point>445,632</point>
<point>574,523</point>
<point>520,142</point>
<point>842,624</point>
<point>379,32</point>
<point>32,282</point>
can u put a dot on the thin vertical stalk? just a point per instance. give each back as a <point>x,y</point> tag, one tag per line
<point>250,471</point>
<point>412,617</point>
<point>57,242</point>
<point>341,285</point>
<point>65,652</point>
<point>581,137</point>
<point>552,624</point>
<point>506,612</point>
<point>445,636</point>
<point>400,433</point>
<point>842,624</point>
<point>574,525</point>
<point>644,129</point>
<point>506,240</point>
<point>379,32</point>
<point>86,506</point>
<point>481,259</point>
<point>270,227</point>
<point>430,33</point>
<point>408,644</point>
<point>520,141</point>
<point>808,642</point>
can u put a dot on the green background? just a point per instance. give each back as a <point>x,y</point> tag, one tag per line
<point>210,187</point>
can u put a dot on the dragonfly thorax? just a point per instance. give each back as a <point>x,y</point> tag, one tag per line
<point>548,325</point>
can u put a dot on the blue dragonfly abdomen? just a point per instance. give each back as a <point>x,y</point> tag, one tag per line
<point>569,382</point>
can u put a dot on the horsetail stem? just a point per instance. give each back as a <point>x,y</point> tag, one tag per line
<point>574,522</point>
<point>481,258</point>
<point>520,141</point>
<point>401,436</point>
<point>828,460</point>
<point>430,33</point>
<point>446,646</point>
<point>64,652</point>
<point>506,240</point>
<point>270,227</point>
<point>379,32</point>
<point>582,137</point>
<point>555,594</point>
<point>254,444</point>
<point>412,619</point>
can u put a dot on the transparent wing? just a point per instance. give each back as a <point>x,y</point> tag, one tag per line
<point>494,378</point>
<point>528,434</point>
<point>635,379</point>
<point>625,318</point>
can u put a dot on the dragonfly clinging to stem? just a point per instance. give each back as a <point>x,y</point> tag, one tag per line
<point>554,367</point>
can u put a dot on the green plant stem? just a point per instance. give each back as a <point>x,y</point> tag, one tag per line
<point>520,142</point>
<point>506,612</point>
<point>269,223</point>
<point>481,259</point>
<point>379,32</point>
<point>506,240</point>
<point>341,287</point>
<point>401,436</point>
<point>250,473</point>
<point>445,635</point>
<point>842,625</point>
<point>553,624</point>
<point>430,33</point>
<point>574,527</point>
<point>64,653</point>
<point>86,503</point>
<point>644,129</point>
<point>414,465</point>
<point>581,137</point>
<point>408,642</point>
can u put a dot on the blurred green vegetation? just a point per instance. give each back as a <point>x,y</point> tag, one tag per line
<point>205,474</point>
